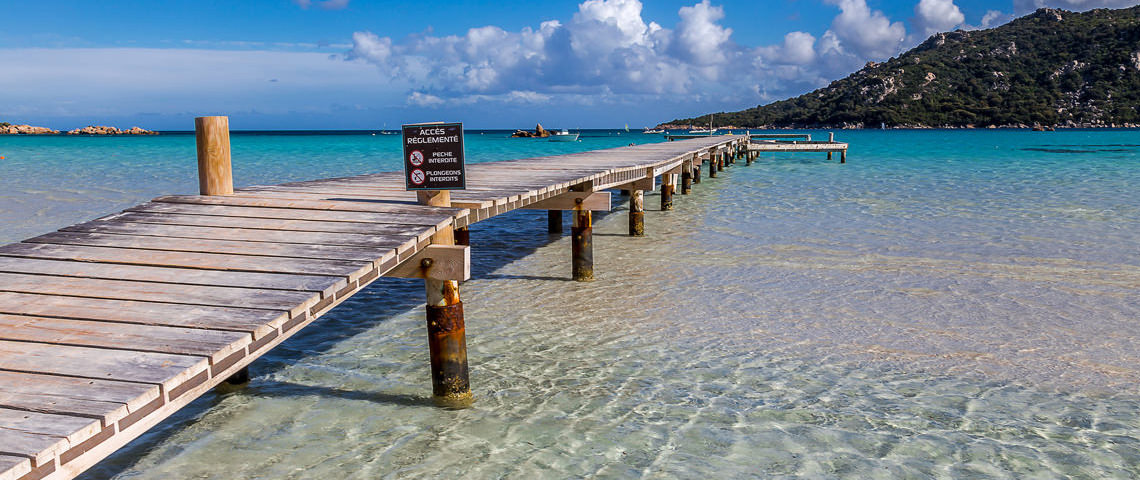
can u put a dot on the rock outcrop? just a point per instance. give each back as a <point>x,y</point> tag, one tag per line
<point>105,130</point>
<point>6,129</point>
<point>538,132</point>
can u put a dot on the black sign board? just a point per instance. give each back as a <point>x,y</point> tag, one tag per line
<point>433,156</point>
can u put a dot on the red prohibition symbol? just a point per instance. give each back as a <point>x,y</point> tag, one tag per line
<point>417,158</point>
<point>418,176</point>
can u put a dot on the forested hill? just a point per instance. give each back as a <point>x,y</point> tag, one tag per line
<point>1052,67</point>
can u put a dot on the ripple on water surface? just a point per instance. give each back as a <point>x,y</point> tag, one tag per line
<point>960,313</point>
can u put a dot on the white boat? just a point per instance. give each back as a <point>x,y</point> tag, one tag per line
<point>651,132</point>
<point>564,135</point>
<point>704,131</point>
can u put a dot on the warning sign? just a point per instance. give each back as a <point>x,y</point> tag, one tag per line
<point>433,156</point>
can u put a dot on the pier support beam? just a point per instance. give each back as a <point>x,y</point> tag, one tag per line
<point>637,213</point>
<point>749,158</point>
<point>843,156</point>
<point>554,221</point>
<point>720,162</point>
<point>666,192</point>
<point>582,246</point>
<point>582,238</point>
<point>712,164</point>
<point>463,236</point>
<point>696,169</point>
<point>447,333</point>
<point>687,179</point>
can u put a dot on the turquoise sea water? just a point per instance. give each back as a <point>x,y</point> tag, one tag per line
<point>956,304</point>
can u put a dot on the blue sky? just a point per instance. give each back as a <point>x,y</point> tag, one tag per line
<point>356,64</point>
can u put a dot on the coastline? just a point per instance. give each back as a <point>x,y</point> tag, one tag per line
<point>25,129</point>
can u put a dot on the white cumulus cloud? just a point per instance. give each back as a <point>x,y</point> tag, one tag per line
<point>933,16</point>
<point>699,39</point>
<point>866,33</point>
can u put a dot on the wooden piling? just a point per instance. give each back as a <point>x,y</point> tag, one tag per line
<point>637,213</point>
<point>582,246</point>
<point>215,175</point>
<point>463,236</point>
<point>666,192</point>
<point>447,337</point>
<point>554,221</point>
<point>686,179</point>
<point>712,164</point>
<point>696,169</point>
<point>749,158</point>
<point>843,156</point>
<point>720,162</point>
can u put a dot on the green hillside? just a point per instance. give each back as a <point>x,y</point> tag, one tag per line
<point>1052,67</point>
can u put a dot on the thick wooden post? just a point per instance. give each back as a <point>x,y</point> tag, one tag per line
<point>843,156</point>
<point>720,162</point>
<point>749,156</point>
<point>666,192</point>
<point>447,334</point>
<point>696,169</point>
<point>712,164</point>
<point>637,213</point>
<point>686,179</point>
<point>215,175</point>
<point>582,246</point>
<point>554,221</point>
<point>463,236</point>
<point>582,239</point>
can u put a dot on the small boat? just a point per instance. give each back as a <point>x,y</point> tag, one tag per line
<point>564,135</point>
<point>704,131</point>
<point>651,132</point>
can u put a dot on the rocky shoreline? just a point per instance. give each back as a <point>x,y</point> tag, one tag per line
<point>9,129</point>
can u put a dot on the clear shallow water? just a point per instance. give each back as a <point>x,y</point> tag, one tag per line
<point>949,304</point>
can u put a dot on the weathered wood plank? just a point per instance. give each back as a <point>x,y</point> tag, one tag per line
<point>106,400</point>
<point>163,369</point>
<point>158,292</point>
<point>12,468</point>
<point>372,239</point>
<point>370,206</point>
<point>209,261</point>
<point>215,344</point>
<point>426,219</point>
<point>254,321</point>
<point>229,247</point>
<point>42,436</point>
<point>326,285</point>
<point>259,224</point>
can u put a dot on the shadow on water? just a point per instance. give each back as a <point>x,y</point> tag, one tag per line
<point>278,389</point>
<point>495,243</point>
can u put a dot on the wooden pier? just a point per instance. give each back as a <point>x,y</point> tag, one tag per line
<point>783,142</point>
<point>109,326</point>
<point>787,143</point>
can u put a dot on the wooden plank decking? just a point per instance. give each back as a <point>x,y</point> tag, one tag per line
<point>109,326</point>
